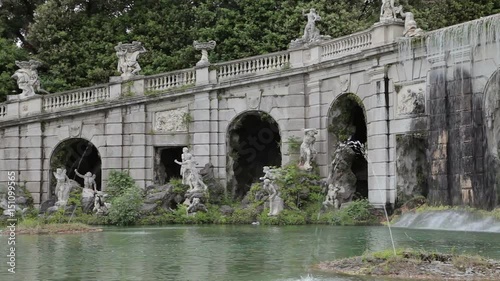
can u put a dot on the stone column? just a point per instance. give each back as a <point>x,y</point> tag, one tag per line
<point>10,160</point>
<point>134,144</point>
<point>380,177</point>
<point>314,119</point>
<point>200,128</point>
<point>291,117</point>
<point>112,152</point>
<point>31,158</point>
<point>387,32</point>
<point>217,142</point>
<point>296,57</point>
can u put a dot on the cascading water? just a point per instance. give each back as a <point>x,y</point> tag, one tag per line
<point>459,220</point>
<point>477,33</point>
<point>456,59</point>
<point>360,149</point>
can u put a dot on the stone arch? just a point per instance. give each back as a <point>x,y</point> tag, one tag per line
<point>75,153</point>
<point>347,121</point>
<point>489,197</point>
<point>253,141</point>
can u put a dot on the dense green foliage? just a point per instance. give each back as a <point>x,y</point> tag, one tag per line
<point>126,198</point>
<point>118,183</point>
<point>75,39</point>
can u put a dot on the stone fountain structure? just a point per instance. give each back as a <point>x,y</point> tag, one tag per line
<point>442,87</point>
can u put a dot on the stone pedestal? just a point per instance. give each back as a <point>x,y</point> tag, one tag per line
<point>387,32</point>
<point>276,205</point>
<point>30,106</point>
<point>202,75</point>
<point>297,57</point>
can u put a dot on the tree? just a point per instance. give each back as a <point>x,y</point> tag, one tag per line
<point>75,39</point>
<point>15,18</point>
<point>8,55</point>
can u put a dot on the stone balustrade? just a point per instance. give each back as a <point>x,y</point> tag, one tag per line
<point>3,110</point>
<point>378,35</point>
<point>346,45</point>
<point>251,65</point>
<point>54,102</point>
<point>168,80</point>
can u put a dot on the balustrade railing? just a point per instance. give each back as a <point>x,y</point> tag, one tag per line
<point>75,98</point>
<point>170,80</point>
<point>346,45</point>
<point>3,110</point>
<point>257,64</point>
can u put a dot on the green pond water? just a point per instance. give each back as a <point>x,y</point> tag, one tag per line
<point>214,252</point>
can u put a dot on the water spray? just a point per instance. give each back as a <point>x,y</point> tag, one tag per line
<point>360,149</point>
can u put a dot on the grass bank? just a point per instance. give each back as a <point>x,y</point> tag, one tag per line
<point>417,264</point>
<point>35,226</point>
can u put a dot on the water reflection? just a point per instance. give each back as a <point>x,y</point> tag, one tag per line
<point>219,252</point>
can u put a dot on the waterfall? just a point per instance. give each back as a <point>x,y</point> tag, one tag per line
<point>458,220</point>
<point>477,33</point>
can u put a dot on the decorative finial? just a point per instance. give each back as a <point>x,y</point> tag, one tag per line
<point>204,47</point>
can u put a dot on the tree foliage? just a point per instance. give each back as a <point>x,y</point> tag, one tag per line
<point>9,53</point>
<point>75,39</point>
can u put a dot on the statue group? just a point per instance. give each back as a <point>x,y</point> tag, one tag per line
<point>389,12</point>
<point>276,203</point>
<point>65,185</point>
<point>127,54</point>
<point>27,77</point>
<point>191,177</point>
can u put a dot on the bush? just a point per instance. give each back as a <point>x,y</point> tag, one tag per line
<point>286,217</point>
<point>244,216</point>
<point>178,187</point>
<point>125,207</point>
<point>357,213</point>
<point>126,198</point>
<point>299,189</point>
<point>118,183</point>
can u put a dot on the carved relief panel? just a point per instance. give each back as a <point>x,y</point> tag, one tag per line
<point>171,120</point>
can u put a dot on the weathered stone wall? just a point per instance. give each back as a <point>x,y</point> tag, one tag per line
<point>442,96</point>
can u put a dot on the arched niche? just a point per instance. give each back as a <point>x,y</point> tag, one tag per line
<point>347,122</point>
<point>75,153</point>
<point>253,141</point>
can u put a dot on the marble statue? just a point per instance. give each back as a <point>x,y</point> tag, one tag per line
<point>127,58</point>
<point>340,173</point>
<point>307,150</point>
<point>388,11</point>
<point>276,203</point>
<point>332,198</point>
<point>195,182</point>
<point>311,32</point>
<point>186,159</point>
<point>101,207</point>
<point>62,187</point>
<point>204,47</point>
<point>88,180</point>
<point>189,172</point>
<point>269,173</point>
<point>27,77</point>
<point>196,206</point>
<point>411,29</point>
